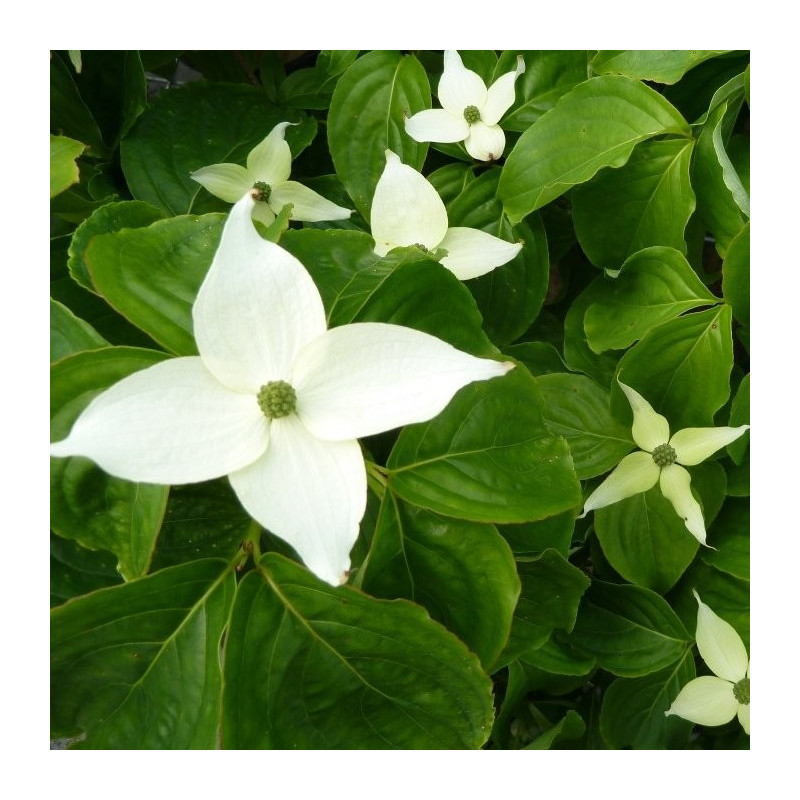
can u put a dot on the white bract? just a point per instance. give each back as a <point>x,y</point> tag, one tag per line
<point>407,210</point>
<point>658,462</point>
<point>274,400</point>
<point>717,699</point>
<point>470,112</point>
<point>269,165</point>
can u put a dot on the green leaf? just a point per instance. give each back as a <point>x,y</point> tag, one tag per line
<point>645,541</point>
<point>312,87</point>
<point>462,572</point>
<point>661,66</point>
<point>74,570</point>
<point>570,727</point>
<point>151,275</point>
<point>63,166</point>
<point>549,598</point>
<point>653,286</point>
<point>548,75</point>
<point>633,710</point>
<point>86,504</point>
<point>312,667</point>
<point>108,218</point>
<point>736,276</point>
<point>730,537</point>
<point>740,415</point>
<point>511,296</point>
<point>722,202</point>
<point>558,657</point>
<point>450,180</point>
<point>646,202</point>
<point>137,666</point>
<point>487,457</point>
<point>70,334</point>
<point>540,358</point>
<point>531,538</point>
<point>69,114</point>
<point>682,368</point>
<point>595,125</point>
<point>368,108</point>
<point>578,409</point>
<point>194,126</point>
<point>631,631</point>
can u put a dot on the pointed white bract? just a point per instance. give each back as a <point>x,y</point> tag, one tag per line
<point>259,320</point>
<point>470,112</point>
<point>269,163</point>
<point>658,462</point>
<point>716,699</point>
<point>407,210</point>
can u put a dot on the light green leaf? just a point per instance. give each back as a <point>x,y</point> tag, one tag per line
<point>595,125</point>
<point>570,727</point>
<point>661,66</point>
<point>86,504</point>
<point>646,202</point>
<point>368,108</point>
<point>653,286</point>
<point>136,667</point>
<point>63,165</point>
<point>736,276</point>
<point>70,334</point>
<point>487,457</point>
<point>312,667</point>
<point>462,572</point>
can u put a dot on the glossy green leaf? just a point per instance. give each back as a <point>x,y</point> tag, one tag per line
<point>653,286</point>
<point>736,276</point>
<point>511,295</point>
<point>70,334</point>
<point>86,504</point>
<point>312,87</point>
<point>108,218</point>
<point>136,667</point>
<point>595,125</point>
<point>368,107</point>
<point>63,167</point>
<point>661,66</point>
<point>74,570</point>
<point>450,180</point>
<point>462,572</point>
<point>531,538</point>
<point>194,126</point>
<point>631,631</point>
<point>730,538</point>
<point>540,358</point>
<point>570,727</point>
<point>578,409</point>
<point>682,368</point>
<point>487,457</point>
<point>740,415</point>
<point>151,275</point>
<point>644,203</point>
<point>645,541</point>
<point>308,666</point>
<point>549,598</point>
<point>722,202</point>
<point>548,75</point>
<point>633,710</point>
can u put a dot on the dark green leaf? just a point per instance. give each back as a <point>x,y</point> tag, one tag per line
<point>488,457</point>
<point>368,107</point>
<point>136,667</point>
<point>531,538</point>
<point>70,334</point>
<point>74,570</point>
<point>595,125</point>
<point>312,667</point>
<point>730,537</point>
<point>570,727</point>
<point>661,66</point>
<point>450,180</point>
<point>69,114</point>
<point>740,415</point>
<point>736,276</point>
<point>540,358</point>
<point>559,657</point>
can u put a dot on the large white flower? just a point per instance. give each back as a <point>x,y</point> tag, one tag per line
<point>717,699</point>
<point>275,401</point>
<point>658,462</point>
<point>470,112</point>
<point>407,210</point>
<point>268,168</point>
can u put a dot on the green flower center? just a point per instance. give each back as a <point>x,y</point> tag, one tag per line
<point>261,191</point>
<point>277,399</point>
<point>472,115</point>
<point>421,247</point>
<point>664,455</point>
<point>741,691</point>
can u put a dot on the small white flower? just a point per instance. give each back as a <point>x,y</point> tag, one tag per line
<point>470,112</point>
<point>269,165</point>
<point>658,460</point>
<point>407,210</point>
<point>716,699</point>
<point>275,401</point>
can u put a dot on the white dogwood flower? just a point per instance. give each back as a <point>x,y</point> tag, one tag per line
<point>274,400</point>
<point>718,698</point>
<point>658,462</point>
<point>407,210</point>
<point>268,168</point>
<point>470,112</point>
